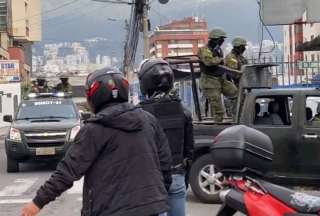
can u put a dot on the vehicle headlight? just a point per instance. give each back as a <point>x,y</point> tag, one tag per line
<point>73,133</point>
<point>15,135</point>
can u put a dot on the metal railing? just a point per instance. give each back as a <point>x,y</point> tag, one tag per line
<point>292,74</point>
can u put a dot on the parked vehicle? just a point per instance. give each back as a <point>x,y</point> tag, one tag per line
<point>243,155</point>
<point>287,115</point>
<point>43,128</point>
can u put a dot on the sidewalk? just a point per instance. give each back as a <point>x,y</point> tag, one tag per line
<point>3,131</point>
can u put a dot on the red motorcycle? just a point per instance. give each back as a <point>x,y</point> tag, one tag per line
<point>243,156</point>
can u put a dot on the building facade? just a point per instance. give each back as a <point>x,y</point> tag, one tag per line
<point>301,65</point>
<point>183,37</point>
<point>20,27</point>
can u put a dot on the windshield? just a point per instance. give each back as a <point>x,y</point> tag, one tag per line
<point>51,109</point>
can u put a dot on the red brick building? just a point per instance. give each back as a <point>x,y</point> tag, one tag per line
<point>183,37</point>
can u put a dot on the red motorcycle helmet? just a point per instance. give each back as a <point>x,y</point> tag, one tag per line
<point>106,86</point>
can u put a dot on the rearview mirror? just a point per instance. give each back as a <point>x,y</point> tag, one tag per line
<point>7,118</point>
<point>85,116</point>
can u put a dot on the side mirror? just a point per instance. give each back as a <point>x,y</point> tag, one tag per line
<point>85,116</point>
<point>7,118</point>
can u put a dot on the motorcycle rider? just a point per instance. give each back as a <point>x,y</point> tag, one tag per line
<point>156,83</point>
<point>122,153</point>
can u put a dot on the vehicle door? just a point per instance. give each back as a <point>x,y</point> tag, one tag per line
<point>308,160</point>
<point>275,116</point>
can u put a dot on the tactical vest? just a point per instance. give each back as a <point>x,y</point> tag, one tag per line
<point>170,114</point>
<point>213,70</point>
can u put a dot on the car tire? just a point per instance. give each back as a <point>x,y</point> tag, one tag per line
<point>12,165</point>
<point>202,180</point>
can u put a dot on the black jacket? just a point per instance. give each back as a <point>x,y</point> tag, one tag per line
<point>125,157</point>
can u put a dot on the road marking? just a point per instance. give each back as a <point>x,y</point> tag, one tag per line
<point>19,187</point>
<point>14,201</point>
<point>77,187</point>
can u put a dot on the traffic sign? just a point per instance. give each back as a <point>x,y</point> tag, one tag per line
<point>306,65</point>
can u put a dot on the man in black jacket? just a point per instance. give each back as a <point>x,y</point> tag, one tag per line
<point>156,83</point>
<point>122,153</point>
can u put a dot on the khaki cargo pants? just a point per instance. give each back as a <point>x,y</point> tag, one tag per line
<point>212,87</point>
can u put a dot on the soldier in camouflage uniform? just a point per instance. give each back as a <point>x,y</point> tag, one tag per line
<point>213,83</point>
<point>235,58</point>
<point>41,86</point>
<point>64,86</point>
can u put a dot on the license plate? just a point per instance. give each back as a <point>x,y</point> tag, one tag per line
<point>45,151</point>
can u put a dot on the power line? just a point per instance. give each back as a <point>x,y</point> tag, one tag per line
<point>85,13</point>
<point>47,11</point>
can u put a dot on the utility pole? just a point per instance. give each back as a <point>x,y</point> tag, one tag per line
<point>146,29</point>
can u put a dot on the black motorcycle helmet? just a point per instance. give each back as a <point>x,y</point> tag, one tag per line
<point>106,86</point>
<point>155,76</point>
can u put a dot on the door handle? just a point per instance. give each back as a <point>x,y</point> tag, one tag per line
<point>310,136</point>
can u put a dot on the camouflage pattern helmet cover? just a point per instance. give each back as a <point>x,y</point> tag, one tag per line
<point>239,41</point>
<point>217,33</point>
<point>41,77</point>
<point>64,75</point>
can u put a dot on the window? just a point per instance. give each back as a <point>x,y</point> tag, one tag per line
<point>312,111</point>
<point>3,15</point>
<point>273,110</point>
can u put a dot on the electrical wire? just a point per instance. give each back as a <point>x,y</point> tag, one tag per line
<point>74,18</point>
<point>47,11</point>
<point>38,22</point>
<point>264,26</point>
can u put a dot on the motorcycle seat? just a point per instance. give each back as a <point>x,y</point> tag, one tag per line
<point>301,202</point>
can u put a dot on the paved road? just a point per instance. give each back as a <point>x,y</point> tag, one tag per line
<point>17,189</point>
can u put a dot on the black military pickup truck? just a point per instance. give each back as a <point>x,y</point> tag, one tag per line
<point>43,128</point>
<point>291,117</point>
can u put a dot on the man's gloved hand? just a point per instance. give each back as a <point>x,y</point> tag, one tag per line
<point>30,209</point>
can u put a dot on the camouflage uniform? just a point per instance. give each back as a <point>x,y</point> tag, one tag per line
<point>212,83</point>
<point>64,85</point>
<point>235,61</point>
<point>64,88</point>
<point>43,89</point>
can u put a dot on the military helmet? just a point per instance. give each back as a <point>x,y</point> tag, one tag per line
<point>64,76</point>
<point>217,33</point>
<point>41,77</point>
<point>239,41</point>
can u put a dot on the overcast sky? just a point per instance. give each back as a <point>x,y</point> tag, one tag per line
<point>85,18</point>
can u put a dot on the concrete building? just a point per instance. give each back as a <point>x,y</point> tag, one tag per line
<point>301,65</point>
<point>183,37</point>
<point>24,28</point>
<point>20,27</point>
